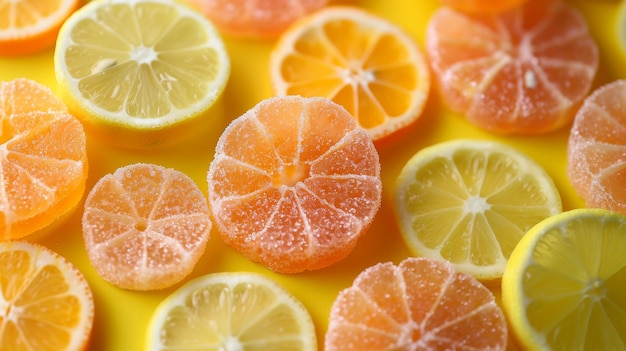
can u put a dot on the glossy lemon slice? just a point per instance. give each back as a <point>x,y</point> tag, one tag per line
<point>470,201</point>
<point>140,73</point>
<point>231,311</point>
<point>565,285</point>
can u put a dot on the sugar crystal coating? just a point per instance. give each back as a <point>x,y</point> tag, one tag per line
<point>518,72</point>
<point>44,158</point>
<point>596,152</point>
<point>294,183</point>
<point>419,304</point>
<point>145,226</point>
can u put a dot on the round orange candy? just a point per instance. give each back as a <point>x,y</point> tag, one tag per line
<point>294,183</point>
<point>420,304</point>
<point>482,6</point>
<point>47,304</point>
<point>596,150</point>
<point>145,226</point>
<point>523,71</point>
<point>255,18</point>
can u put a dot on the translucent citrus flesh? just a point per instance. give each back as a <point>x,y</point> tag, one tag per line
<point>255,18</point>
<point>565,288</point>
<point>28,26</point>
<point>520,72</point>
<point>44,158</point>
<point>469,202</point>
<point>301,189</point>
<point>596,147</point>
<point>165,70</point>
<point>145,226</point>
<point>18,15</point>
<point>47,303</point>
<point>232,311</point>
<point>360,61</point>
<point>419,304</point>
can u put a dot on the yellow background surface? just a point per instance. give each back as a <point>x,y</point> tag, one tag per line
<point>122,316</point>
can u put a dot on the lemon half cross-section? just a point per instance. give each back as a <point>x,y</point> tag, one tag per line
<point>231,312</point>
<point>470,201</point>
<point>140,73</point>
<point>565,285</point>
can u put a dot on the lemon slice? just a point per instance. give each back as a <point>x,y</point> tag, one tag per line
<point>469,202</point>
<point>565,285</point>
<point>140,73</point>
<point>231,311</point>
